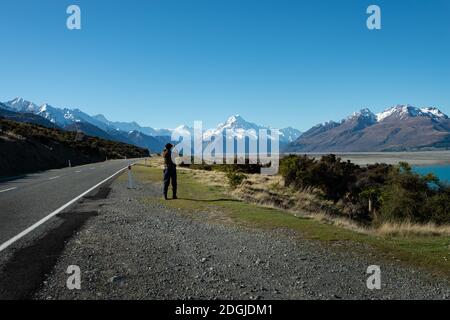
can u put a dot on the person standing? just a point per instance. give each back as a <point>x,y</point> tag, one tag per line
<point>170,172</point>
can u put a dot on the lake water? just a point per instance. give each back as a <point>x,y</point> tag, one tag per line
<point>440,171</point>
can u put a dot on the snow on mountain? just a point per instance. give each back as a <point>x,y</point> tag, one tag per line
<point>400,112</point>
<point>236,125</point>
<point>58,116</point>
<point>363,114</point>
<point>289,134</point>
<point>240,128</point>
<point>434,113</point>
<point>61,117</point>
<point>182,130</point>
<point>21,105</point>
<point>64,117</point>
<point>399,128</point>
<point>367,117</point>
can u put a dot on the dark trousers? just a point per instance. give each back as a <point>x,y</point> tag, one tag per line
<point>170,174</point>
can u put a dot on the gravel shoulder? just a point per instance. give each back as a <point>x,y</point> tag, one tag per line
<point>135,249</point>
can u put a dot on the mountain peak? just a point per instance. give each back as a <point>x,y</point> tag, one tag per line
<point>235,119</point>
<point>181,130</point>
<point>364,113</point>
<point>434,112</point>
<point>237,122</point>
<point>101,117</point>
<point>404,111</point>
<point>21,105</point>
<point>17,100</point>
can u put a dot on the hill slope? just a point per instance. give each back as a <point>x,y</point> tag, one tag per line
<point>25,117</point>
<point>28,148</point>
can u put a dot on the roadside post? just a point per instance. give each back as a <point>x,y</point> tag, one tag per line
<point>130,179</point>
<point>70,164</point>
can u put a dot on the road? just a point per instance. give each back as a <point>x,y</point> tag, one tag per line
<point>25,201</point>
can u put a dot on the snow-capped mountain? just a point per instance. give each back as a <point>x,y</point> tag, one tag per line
<point>66,117</point>
<point>399,128</point>
<point>58,116</point>
<point>22,105</point>
<point>240,128</point>
<point>182,130</point>
<point>365,113</point>
<point>236,125</point>
<point>399,112</point>
<point>289,134</point>
<point>61,117</point>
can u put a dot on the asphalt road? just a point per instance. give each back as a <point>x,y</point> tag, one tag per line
<point>25,201</point>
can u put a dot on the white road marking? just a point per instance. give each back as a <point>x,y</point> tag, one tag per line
<point>54,213</point>
<point>53,178</point>
<point>92,168</point>
<point>78,171</point>
<point>8,189</point>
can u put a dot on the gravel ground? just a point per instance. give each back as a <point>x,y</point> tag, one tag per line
<point>137,250</point>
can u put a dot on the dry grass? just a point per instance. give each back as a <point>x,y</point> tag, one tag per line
<point>405,229</point>
<point>211,178</point>
<point>269,191</point>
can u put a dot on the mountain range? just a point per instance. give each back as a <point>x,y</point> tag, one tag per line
<point>77,120</point>
<point>127,132</point>
<point>398,128</point>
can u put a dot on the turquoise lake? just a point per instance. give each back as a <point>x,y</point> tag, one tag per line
<point>440,171</point>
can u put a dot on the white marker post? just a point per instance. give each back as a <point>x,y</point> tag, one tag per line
<point>130,179</point>
<point>70,164</point>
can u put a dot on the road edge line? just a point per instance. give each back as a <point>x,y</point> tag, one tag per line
<point>54,213</point>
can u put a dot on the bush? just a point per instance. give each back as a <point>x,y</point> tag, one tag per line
<point>380,192</point>
<point>333,176</point>
<point>410,197</point>
<point>235,178</point>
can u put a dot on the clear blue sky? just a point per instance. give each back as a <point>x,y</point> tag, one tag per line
<point>277,62</point>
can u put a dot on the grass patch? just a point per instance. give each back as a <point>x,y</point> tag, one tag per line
<point>429,252</point>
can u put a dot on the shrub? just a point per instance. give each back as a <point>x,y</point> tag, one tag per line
<point>333,176</point>
<point>380,192</point>
<point>235,178</point>
<point>410,197</point>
